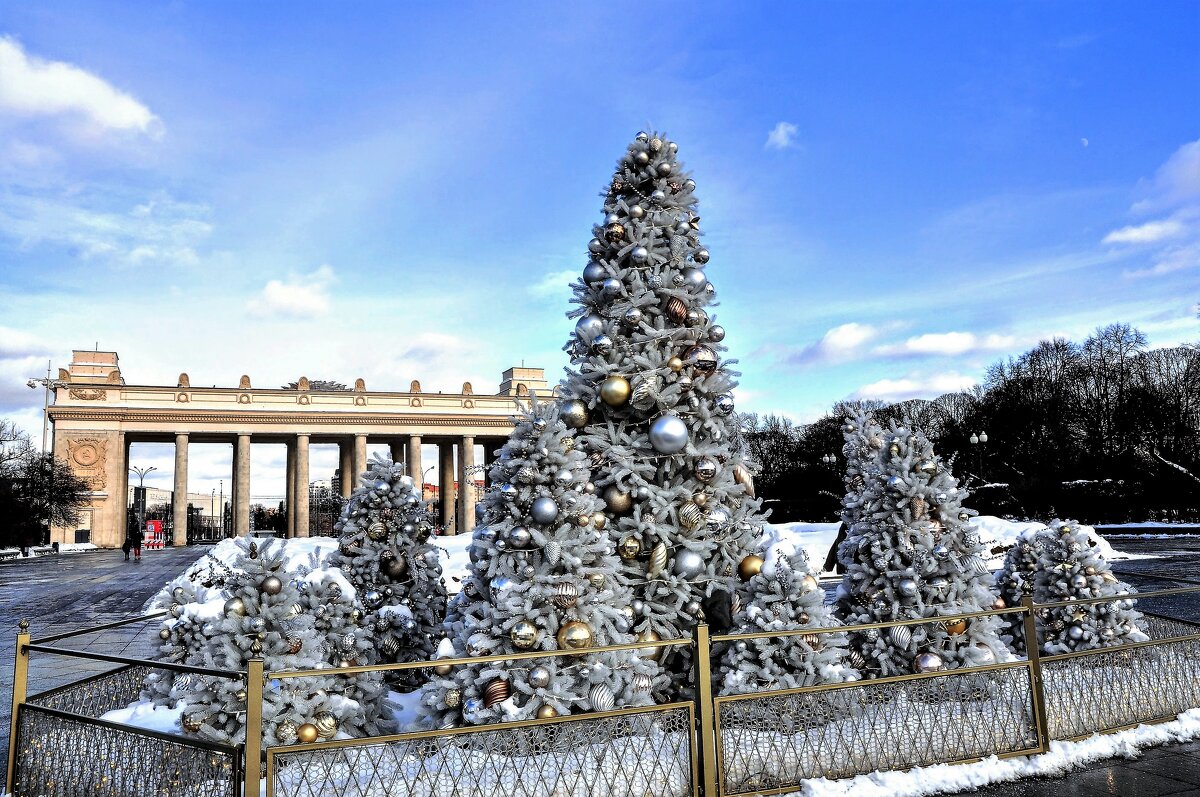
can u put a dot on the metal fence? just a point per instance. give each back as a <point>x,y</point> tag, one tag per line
<point>759,743</point>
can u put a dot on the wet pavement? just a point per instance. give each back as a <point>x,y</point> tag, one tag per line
<point>70,591</point>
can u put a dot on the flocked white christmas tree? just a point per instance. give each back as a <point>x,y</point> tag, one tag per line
<point>911,554</point>
<point>652,398</point>
<point>543,576</point>
<point>783,596</point>
<point>385,552</point>
<point>292,620</point>
<point>1065,563</point>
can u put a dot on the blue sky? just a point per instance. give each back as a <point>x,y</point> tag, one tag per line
<point>894,194</point>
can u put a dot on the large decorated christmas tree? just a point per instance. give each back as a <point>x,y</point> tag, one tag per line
<point>1064,563</point>
<point>783,596</point>
<point>385,552</point>
<point>911,554</point>
<point>292,620</point>
<point>652,399</point>
<point>543,576</point>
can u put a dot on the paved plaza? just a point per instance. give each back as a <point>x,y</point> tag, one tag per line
<point>62,593</point>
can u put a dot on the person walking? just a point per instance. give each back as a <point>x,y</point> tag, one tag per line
<point>135,542</point>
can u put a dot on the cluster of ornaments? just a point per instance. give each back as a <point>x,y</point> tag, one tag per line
<point>542,577</point>
<point>1064,563</point>
<point>652,399</point>
<point>910,554</point>
<point>385,551</point>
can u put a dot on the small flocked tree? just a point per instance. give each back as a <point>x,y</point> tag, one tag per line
<point>263,611</point>
<point>543,576</point>
<point>385,552</point>
<point>1064,563</point>
<point>910,554</point>
<point>783,596</point>
<point>652,398</point>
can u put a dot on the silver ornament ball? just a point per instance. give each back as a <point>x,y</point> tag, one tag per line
<point>544,510</point>
<point>668,434</point>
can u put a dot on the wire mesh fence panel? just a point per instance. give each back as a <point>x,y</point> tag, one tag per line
<point>92,697</point>
<point>64,756</point>
<point>1106,690</point>
<point>773,741</point>
<point>646,753</point>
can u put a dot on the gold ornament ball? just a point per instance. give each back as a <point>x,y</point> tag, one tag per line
<point>523,635</point>
<point>700,499</point>
<point>651,654</point>
<point>807,584</point>
<point>675,364</point>
<point>307,733</point>
<point>583,519</point>
<point>615,391</point>
<point>547,712</point>
<point>750,567</point>
<point>443,670</point>
<point>596,580</point>
<point>617,500</point>
<point>453,698</point>
<point>326,724</point>
<point>599,520</point>
<point>629,548</point>
<point>574,635</point>
<point>192,722</point>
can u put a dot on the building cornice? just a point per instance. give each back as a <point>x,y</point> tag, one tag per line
<point>131,415</point>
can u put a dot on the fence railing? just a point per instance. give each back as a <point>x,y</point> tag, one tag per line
<point>758,743</point>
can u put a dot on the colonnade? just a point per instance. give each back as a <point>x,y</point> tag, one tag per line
<point>457,513</point>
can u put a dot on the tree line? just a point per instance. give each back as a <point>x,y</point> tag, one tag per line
<point>1106,430</point>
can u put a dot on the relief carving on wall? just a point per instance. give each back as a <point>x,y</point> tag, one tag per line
<point>88,393</point>
<point>88,456</point>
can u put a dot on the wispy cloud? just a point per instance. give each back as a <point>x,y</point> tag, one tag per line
<point>782,136</point>
<point>947,344</point>
<point>916,385</point>
<point>1173,241</point>
<point>1148,233</point>
<point>299,296</point>
<point>553,286</point>
<point>31,86</point>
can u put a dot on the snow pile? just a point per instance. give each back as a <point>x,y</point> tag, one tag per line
<point>1062,758</point>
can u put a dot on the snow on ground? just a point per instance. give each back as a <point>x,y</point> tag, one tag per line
<point>1062,758</point>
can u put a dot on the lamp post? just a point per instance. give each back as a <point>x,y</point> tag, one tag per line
<point>978,441</point>
<point>47,383</point>
<point>141,472</point>
<point>829,459</point>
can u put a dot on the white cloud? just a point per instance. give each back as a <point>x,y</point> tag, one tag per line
<point>782,136</point>
<point>840,344</point>
<point>300,296</point>
<point>1176,182</point>
<point>31,86</point>
<point>1170,260</point>
<point>918,385</point>
<point>553,286</point>
<point>1150,232</point>
<point>947,344</point>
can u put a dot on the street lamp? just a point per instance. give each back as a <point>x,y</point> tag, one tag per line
<point>978,441</point>
<point>141,472</point>
<point>47,383</point>
<point>829,459</point>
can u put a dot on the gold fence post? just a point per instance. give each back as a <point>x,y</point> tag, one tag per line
<point>20,686</point>
<point>1034,655</point>
<point>252,751</point>
<point>704,697</point>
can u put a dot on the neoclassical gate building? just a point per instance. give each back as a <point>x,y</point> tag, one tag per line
<point>97,416</point>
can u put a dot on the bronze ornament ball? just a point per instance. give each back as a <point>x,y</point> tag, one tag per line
<point>442,670</point>
<point>547,712</point>
<point>615,391</point>
<point>676,310</point>
<point>495,692</point>
<point>192,722</point>
<point>705,469</point>
<point>574,635</point>
<point>307,733</point>
<point>523,635</point>
<point>750,567</point>
<point>956,626</point>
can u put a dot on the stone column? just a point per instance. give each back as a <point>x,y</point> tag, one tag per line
<point>397,449</point>
<point>289,487</point>
<point>241,484</point>
<point>360,456</point>
<point>179,504</point>
<point>123,486</point>
<point>414,462</point>
<point>301,485</point>
<point>446,484</point>
<point>346,469</point>
<point>466,485</point>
